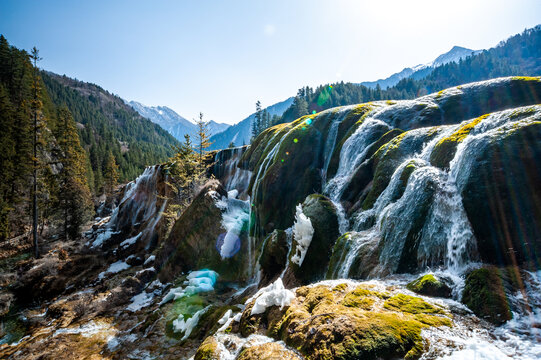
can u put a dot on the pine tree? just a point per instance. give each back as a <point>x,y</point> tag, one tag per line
<point>110,174</point>
<point>36,107</point>
<point>75,200</point>
<point>202,140</point>
<point>184,164</point>
<point>256,125</point>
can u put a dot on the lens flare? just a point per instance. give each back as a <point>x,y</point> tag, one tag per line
<point>295,140</point>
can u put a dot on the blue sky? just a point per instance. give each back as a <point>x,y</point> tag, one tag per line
<point>219,57</point>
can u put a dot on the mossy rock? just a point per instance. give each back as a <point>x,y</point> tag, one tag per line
<point>445,149</point>
<point>192,243</point>
<point>345,323</point>
<point>208,350</point>
<point>484,294</point>
<point>322,213</point>
<point>361,182</point>
<point>292,175</point>
<point>502,197</point>
<point>274,256</point>
<point>389,157</point>
<point>340,250</point>
<point>430,285</point>
<point>268,351</point>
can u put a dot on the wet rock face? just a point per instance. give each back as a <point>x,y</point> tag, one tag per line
<point>195,232</point>
<point>196,239</point>
<point>229,170</point>
<point>484,293</point>
<point>274,256</point>
<point>322,214</point>
<point>502,196</point>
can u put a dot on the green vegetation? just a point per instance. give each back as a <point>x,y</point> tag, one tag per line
<point>340,323</point>
<point>484,294</point>
<point>445,149</point>
<point>429,285</point>
<point>106,124</point>
<point>512,57</point>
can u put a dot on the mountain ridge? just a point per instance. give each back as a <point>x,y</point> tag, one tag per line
<point>454,55</point>
<point>174,123</point>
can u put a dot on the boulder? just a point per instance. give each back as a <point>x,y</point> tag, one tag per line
<point>430,285</point>
<point>322,214</point>
<point>502,197</point>
<point>345,322</point>
<point>484,293</point>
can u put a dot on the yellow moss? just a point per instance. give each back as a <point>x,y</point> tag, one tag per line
<point>445,148</point>
<point>411,304</point>
<point>526,78</point>
<point>208,350</point>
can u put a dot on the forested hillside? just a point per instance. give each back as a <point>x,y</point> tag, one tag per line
<point>107,124</point>
<point>518,55</point>
<point>86,140</point>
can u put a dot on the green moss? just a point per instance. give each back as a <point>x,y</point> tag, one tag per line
<point>484,294</point>
<point>445,149</point>
<point>329,323</point>
<point>208,350</point>
<point>340,250</point>
<point>429,285</point>
<point>526,78</point>
<point>411,304</point>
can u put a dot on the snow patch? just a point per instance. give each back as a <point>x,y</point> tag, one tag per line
<point>140,301</point>
<point>114,268</point>
<point>302,232</point>
<point>273,295</point>
<point>187,325</point>
<point>150,259</point>
<point>130,241</point>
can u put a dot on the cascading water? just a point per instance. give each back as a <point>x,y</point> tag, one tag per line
<point>230,174</point>
<point>137,209</point>
<point>351,156</point>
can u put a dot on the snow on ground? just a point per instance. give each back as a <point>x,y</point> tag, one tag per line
<point>273,295</point>
<point>130,241</point>
<point>114,268</point>
<point>197,281</point>
<point>186,326</point>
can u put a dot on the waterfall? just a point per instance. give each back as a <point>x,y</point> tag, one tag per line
<point>136,209</point>
<point>229,173</point>
<point>330,142</point>
<point>352,154</point>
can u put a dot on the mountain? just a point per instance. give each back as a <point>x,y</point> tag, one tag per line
<point>519,55</point>
<point>216,127</point>
<point>240,133</point>
<point>174,123</point>
<point>106,123</point>
<point>453,55</point>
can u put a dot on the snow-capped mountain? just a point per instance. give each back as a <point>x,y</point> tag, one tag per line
<point>240,133</point>
<point>175,124</point>
<point>422,70</point>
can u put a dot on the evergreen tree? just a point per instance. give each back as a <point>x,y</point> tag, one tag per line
<point>256,125</point>
<point>75,200</point>
<point>36,107</point>
<point>110,174</point>
<point>184,164</point>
